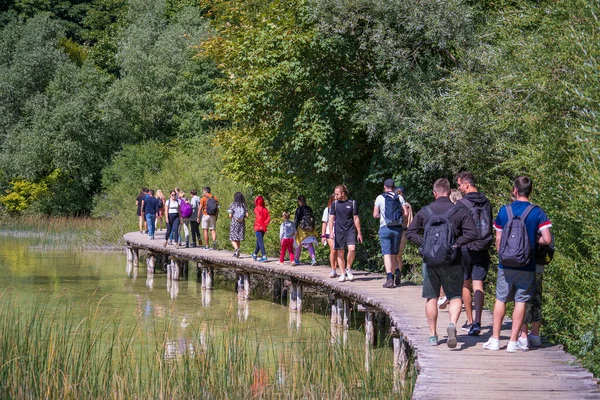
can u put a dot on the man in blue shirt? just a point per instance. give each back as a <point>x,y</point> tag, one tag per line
<point>517,283</point>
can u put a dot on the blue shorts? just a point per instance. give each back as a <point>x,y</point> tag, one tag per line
<point>390,237</point>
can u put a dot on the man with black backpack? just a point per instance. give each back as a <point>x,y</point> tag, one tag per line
<point>445,228</point>
<point>475,255</point>
<point>517,226</point>
<point>389,208</point>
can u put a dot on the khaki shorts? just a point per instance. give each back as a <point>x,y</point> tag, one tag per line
<point>209,222</point>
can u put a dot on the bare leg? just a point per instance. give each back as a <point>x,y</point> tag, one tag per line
<point>340,261</point>
<point>431,312</point>
<point>388,262</point>
<point>350,256</point>
<point>499,311</point>
<point>478,294</point>
<point>206,237</point>
<point>332,255</point>
<point>454,310</point>
<point>468,300</point>
<point>517,320</point>
<point>214,234</point>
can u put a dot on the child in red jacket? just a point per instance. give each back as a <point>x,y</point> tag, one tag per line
<point>263,218</point>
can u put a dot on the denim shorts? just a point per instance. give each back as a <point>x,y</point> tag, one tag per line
<point>390,238</point>
<point>515,285</point>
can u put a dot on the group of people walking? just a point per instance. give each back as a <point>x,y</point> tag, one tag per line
<point>454,234</point>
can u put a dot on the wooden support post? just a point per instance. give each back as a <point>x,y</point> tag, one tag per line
<point>175,269</point>
<point>210,278</point>
<point>136,257</point>
<point>129,254</point>
<point>150,263</point>
<point>299,291</point>
<point>241,285</point>
<point>277,287</point>
<point>200,275</point>
<point>346,321</point>
<point>400,362</point>
<point>334,312</point>
<point>369,328</point>
<point>185,268</point>
<point>293,297</point>
<point>170,270</point>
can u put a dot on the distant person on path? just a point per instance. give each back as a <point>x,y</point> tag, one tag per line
<point>475,255</point>
<point>440,229</point>
<point>194,225</point>
<point>517,263</point>
<point>344,216</point>
<point>327,238</point>
<point>405,223</point>
<point>238,213</point>
<point>209,209</point>
<point>287,233</point>
<point>389,208</point>
<point>186,213</point>
<point>150,211</point>
<point>173,218</point>
<point>138,202</point>
<point>261,221</point>
<point>306,236</point>
<point>160,197</point>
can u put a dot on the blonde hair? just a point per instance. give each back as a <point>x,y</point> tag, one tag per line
<point>455,196</point>
<point>286,215</point>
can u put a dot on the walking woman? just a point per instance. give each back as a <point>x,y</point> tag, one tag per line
<point>138,202</point>
<point>160,197</point>
<point>238,214</point>
<point>306,236</point>
<point>263,218</point>
<point>173,214</point>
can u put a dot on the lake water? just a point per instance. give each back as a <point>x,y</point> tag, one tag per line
<point>86,279</point>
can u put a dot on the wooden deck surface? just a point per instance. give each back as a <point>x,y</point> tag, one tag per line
<point>468,371</point>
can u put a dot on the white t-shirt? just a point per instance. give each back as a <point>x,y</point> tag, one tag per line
<point>380,202</point>
<point>325,219</point>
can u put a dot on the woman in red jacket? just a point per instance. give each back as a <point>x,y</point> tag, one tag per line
<point>263,218</point>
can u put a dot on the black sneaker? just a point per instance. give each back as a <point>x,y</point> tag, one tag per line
<point>475,329</point>
<point>466,327</point>
<point>397,278</point>
<point>389,283</point>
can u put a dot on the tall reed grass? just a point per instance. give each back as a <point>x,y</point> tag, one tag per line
<point>59,233</point>
<point>51,351</point>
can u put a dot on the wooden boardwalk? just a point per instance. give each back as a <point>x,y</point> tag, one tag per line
<point>466,371</point>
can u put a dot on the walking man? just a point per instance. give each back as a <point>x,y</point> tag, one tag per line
<point>209,210</point>
<point>475,255</point>
<point>343,214</point>
<point>150,210</point>
<point>516,269</point>
<point>195,203</point>
<point>389,208</point>
<point>440,229</point>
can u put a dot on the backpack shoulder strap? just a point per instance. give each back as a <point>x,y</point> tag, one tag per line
<point>529,208</point>
<point>466,203</point>
<point>449,213</point>
<point>428,211</point>
<point>509,211</point>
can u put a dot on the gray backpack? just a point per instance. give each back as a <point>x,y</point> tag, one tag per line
<point>515,248</point>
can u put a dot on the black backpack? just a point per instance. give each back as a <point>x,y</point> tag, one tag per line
<point>393,209</point>
<point>483,225</point>
<point>544,253</point>
<point>515,248</point>
<point>438,247</point>
<point>307,222</point>
<point>211,205</point>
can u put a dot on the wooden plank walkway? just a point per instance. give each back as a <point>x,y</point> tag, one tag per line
<point>466,371</point>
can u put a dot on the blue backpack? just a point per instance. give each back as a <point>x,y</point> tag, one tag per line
<point>392,214</point>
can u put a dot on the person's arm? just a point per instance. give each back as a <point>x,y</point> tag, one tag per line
<point>357,226</point>
<point>468,230</point>
<point>281,232</point>
<point>413,232</point>
<point>376,211</point>
<point>331,224</point>
<point>498,239</point>
<point>217,213</point>
<point>545,238</point>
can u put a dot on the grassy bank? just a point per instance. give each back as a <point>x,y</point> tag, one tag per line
<point>46,351</point>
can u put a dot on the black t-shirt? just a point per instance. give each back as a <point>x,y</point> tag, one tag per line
<point>139,199</point>
<point>344,212</point>
<point>300,211</point>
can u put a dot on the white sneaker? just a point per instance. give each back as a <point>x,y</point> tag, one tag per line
<point>349,275</point>
<point>518,345</point>
<point>332,274</point>
<point>342,278</point>
<point>492,344</point>
<point>535,341</point>
<point>442,302</point>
